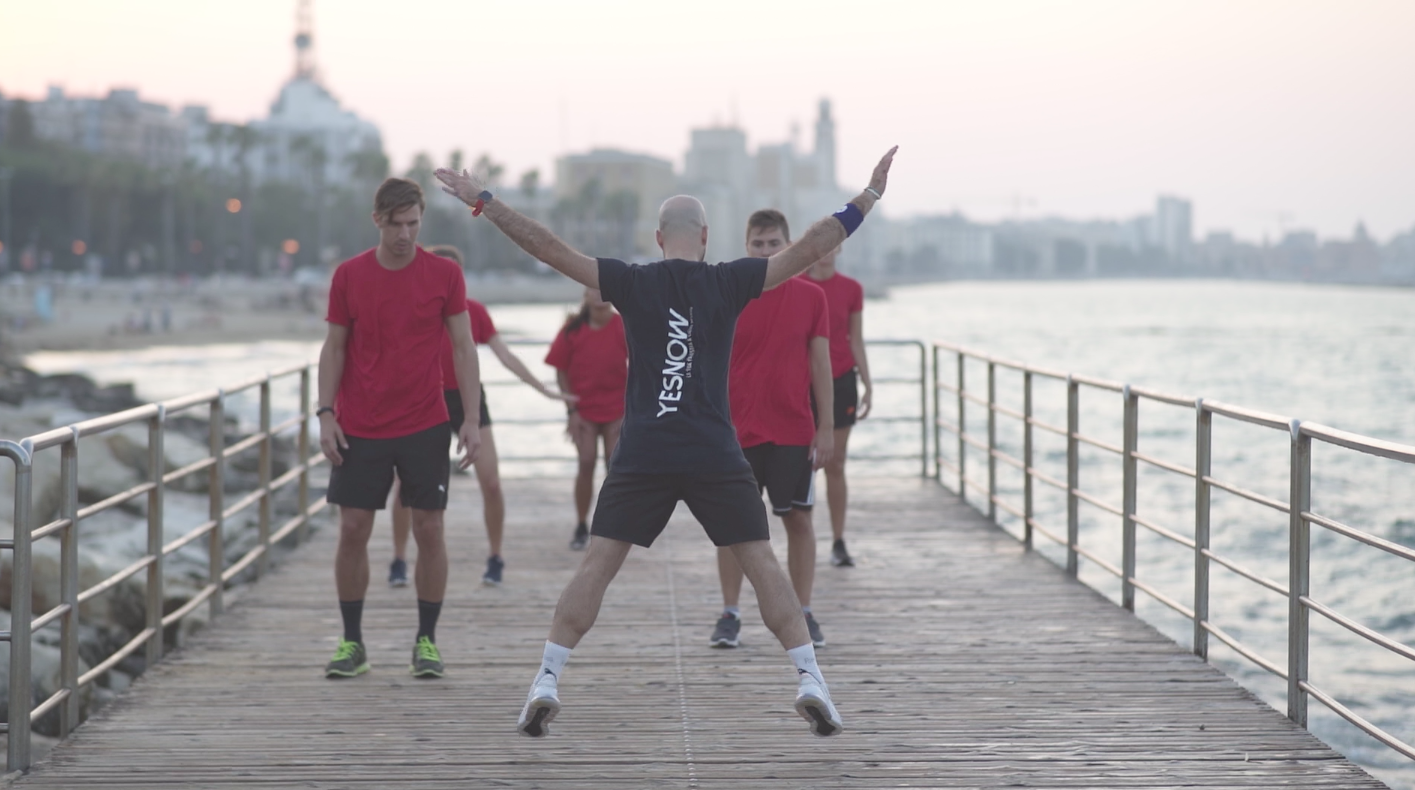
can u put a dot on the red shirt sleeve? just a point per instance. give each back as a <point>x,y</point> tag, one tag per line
<point>559,355</point>
<point>456,291</point>
<point>482,327</point>
<point>338,302</point>
<point>857,298</point>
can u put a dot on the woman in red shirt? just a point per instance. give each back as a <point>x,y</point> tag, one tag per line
<point>592,363</point>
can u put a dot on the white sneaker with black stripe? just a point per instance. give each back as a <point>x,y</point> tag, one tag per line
<point>814,705</point>
<point>541,706</point>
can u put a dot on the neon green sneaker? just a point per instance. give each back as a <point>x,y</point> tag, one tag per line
<point>427,662</point>
<point>349,660</point>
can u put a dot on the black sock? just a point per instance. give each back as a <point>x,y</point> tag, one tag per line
<point>353,613</point>
<point>427,619</point>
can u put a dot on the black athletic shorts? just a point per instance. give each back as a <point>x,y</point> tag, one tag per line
<point>786,474</point>
<point>635,507</point>
<point>454,410</point>
<point>420,459</point>
<point>847,398</point>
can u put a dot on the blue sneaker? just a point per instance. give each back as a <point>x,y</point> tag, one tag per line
<point>494,566</point>
<point>398,573</point>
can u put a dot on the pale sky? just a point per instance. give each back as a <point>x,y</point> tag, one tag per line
<point>1081,108</point>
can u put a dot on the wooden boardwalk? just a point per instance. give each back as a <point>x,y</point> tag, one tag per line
<point>956,659</point>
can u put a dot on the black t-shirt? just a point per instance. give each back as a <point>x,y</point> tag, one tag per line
<point>679,317</point>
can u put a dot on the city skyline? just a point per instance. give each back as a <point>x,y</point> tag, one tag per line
<point>1268,116</point>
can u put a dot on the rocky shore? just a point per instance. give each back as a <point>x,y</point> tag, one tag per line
<point>110,541</point>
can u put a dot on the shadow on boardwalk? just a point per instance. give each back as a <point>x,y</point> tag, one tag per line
<point>957,660</point>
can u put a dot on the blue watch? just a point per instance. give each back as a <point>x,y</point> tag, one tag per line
<point>484,198</point>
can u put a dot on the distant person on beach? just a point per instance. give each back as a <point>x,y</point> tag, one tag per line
<point>488,474</point>
<point>677,442</point>
<point>780,356</point>
<point>850,370</point>
<point>591,359</point>
<point>381,411</point>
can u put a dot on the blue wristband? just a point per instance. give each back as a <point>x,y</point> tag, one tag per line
<point>850,217</point>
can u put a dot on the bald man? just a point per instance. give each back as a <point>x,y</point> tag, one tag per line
<point>677,442</point>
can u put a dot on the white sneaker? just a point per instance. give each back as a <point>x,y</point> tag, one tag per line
<point>541,706</point>
<point>814,705</point>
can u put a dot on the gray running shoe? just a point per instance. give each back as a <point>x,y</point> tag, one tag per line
<point>817,638</point>
<point>349,660</point>
<point>427,661</point>
<point>726,632</point>
<point>839,557</point>
<point>398,573</point>
<point>494,566</point>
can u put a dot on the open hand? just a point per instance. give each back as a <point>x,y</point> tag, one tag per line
<point>465,186</point>
<point>880,177</point>
<point>331,439</point>
<point>468,443</point>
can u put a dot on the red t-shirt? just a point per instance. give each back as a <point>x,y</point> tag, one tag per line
<point>392,383</point>
<point>846,297</point>
<point>482,330</point>
<point>597,363</point>
<point>769,383</point>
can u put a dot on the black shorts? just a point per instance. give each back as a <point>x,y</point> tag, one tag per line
<point>786,474</point>
<point>366,475</point>
<point>454,410</point>
<point>635,507</point>
<point>847,398</point>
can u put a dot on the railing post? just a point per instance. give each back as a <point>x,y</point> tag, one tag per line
<point>21,697</point>
<point>1027,508</point>
<point>303,531</point>
<point>923,410</point>
<point>1128,466</point>
<point>938,431</point>
<point>216,497</point>
<point>1203,465</point>
<point>156,582</point>
<point>69,583</point>
<point>263,529</point>
<point>962,431</point>
<point>992,441</point>
<point>1073,475</point>
<point>1299,573</point>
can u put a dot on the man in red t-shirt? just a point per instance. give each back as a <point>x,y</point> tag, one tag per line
<point>780,356</point>
<point>381,411</point>
<point>848,365</point>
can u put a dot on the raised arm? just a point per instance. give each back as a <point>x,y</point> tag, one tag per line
<point>826,234</point>
<point>531,236</point>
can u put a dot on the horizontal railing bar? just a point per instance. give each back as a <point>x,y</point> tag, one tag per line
<point>1251,496</point>
<point>4,636</point>
<point>288,370</point>
<point>1107,507</point>
<point>1163,397</point>
<point>976,486</point>
<point>1356,719</point>
<point>115,500</point>
<point>1103,384</point>
<point>895,380</point>
<point>1176,468</point>
<point>946,387</point>
<point>286,479</point>
<point>197,600</point>
<point>1006,363</point>
<point>854,457</point>
<point>978,399</point>
<point>1114,448</point>
<point>243,445</point>
<point>192,468</point>
<point>242,386</point>
<point>540,459</point>
<point>1356,534</point>
<point>243,503</point>
<point>1263,418</point>
<point>117,657</point>
<point>7,545</point>
<point>115,420</point>
<point>1002,504</point>
<point>1047,427</point>
<point>1245,572</point>
<point>1358,629</point>
<point>1000,409</point>
<point>185,402</point>
<point>1162,598</point>
<point>296,521</point>
<point>1164,532</point>
<point>50,438</point>
<point>867,421</point>
<point>49,529</point>
<point>114,580</point>
<point>293,422</point>
<point>1365,444</point>
<point>946,464</point>
<point>38,711</point>
<point>196,533</point>
<point>1113,569</point>
<point>243,563</point>
<point>977,444</point>
<point>1055,538</point>
<point>1015,463</point>
<point>48,617</point>
<point>1243,650</point>
<point>945,425</point>
<point>1048,479</point>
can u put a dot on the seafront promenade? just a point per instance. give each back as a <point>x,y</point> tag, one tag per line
<point>958,659</point>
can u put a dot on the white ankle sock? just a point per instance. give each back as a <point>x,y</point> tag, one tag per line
<point>552,661</point>
<point>733,610</point>
<point>804,657</point>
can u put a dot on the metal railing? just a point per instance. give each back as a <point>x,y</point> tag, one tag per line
<point>1298,507</point>
<point>22,710</point>
<point>921,418</point>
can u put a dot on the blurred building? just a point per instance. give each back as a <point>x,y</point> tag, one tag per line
<point>1173,227</point>
<point>607,200</point>
<point>119,125</point>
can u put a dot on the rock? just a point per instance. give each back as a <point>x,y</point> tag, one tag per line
<point>45,680</point>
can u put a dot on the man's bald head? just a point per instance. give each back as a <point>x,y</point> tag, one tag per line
<point>682,227</point>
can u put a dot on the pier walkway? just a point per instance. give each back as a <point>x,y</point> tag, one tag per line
<point>957,659</point>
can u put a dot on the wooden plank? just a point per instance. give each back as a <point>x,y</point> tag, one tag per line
<point>956,658</point>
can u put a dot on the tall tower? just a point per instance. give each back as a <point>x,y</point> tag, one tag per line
<point>304,41</point>
<point>825,146</point>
